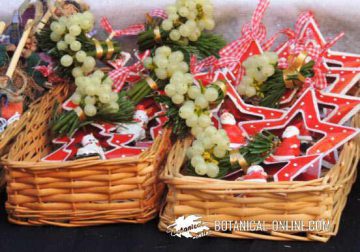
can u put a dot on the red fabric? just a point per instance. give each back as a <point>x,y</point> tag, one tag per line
<point>131,30</point>
<point>254,30</point>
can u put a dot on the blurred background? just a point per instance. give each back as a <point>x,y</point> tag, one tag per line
<point>334,16</point>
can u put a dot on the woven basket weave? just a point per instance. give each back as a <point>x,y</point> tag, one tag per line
<point>216,200</point>
<point>83,192</point>
<point>9,135</point>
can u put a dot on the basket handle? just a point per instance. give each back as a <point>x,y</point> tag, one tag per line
<point>2,27</point>
<point>48,14</point>
<point>15,59</point>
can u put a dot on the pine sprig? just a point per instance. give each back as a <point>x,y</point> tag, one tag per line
<point>274,87</point>
<point>178,125</point>
<point>207,45</point>
<point>67,122</point>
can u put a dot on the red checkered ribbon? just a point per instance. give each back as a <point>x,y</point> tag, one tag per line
<point>269,43</point>
<point>318,55</point>
<point>131,30</point>
<point>300,41</point>
<point>122,74</point>
<point>254,30</point>
<point>159,13</point>
<point>199,66</point>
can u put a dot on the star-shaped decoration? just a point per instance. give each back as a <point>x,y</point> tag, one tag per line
<point>158,128</point>
<point>297,166</point>
<point>263,112</point>
<point>343,67</point>
<point>342,59</point>
<point>333,137</point>
<point>336,58</point>
<point>345,78</point>
<point>344,106</point>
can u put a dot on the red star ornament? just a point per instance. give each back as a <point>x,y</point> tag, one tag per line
<point>345,78</point>
<point>240,110</point>
<point>263,112</point>
<point>67,150</point>
<point>338,59</point>
<point>342,59</point>
<point>344,106</point>
<point>297,166</point>
<point>334,135</point>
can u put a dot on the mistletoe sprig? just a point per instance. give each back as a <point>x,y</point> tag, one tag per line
<point>206,158</point>
<point>67,41</point>
<point>184,30</point>
<point>265,83</point>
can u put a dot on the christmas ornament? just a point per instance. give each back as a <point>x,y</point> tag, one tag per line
<point>182,29</point>
<point>228,123</point>
<point>343,67</point>
<point>91,147</point>
<point>299,166</point>
<point>342,107</point>
<point>268,83</point>
<point>333,135</point>
<point>255,173</point>
<point>209,154</point>
<point>65,39</point>
<point>92,107</point>
<point>289,146</point>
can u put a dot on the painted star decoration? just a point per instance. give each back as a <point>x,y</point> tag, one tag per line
<point>343,67</point>
<point>117,144</point>
<point>332,136</point>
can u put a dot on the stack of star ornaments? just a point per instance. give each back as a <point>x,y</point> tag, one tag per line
<point>109,141</point>
<point>313,122</point>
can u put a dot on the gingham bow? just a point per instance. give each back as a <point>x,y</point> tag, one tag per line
<point>159,13</point>
<point>317,54</point>
<point>199,66</point>
<point>122,74</point>
<point>131,30</point>
<point>254,30</point>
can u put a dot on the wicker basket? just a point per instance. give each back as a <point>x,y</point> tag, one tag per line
<point>9,135</point>
<point>83,192</point>
<point>216,200</point>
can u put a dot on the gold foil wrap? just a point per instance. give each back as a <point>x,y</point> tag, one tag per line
<point>294,69</point>
<point>236,158</point>
<point>157,34</point>
<point>152,84</point>
<point>80,113</point>
<point>98,48</point>
<point>110,49</point>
